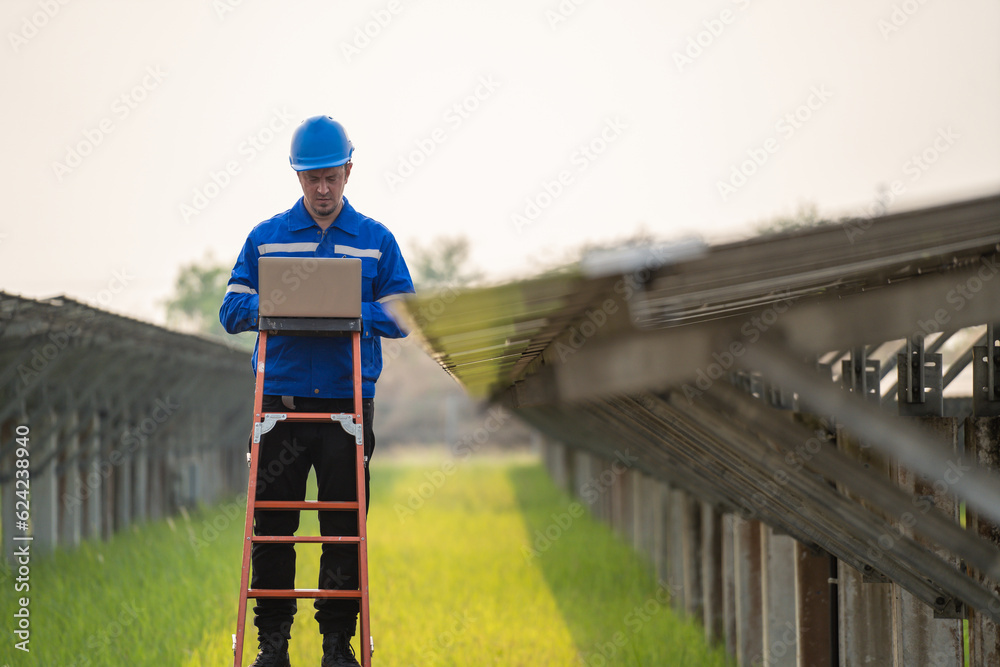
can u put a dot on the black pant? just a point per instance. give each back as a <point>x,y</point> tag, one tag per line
<point>286,454</point>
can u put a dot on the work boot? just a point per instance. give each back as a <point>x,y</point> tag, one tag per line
<point>273,653</point>
<point>337,651</point>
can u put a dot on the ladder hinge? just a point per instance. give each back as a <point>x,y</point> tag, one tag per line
<point>262,427</point>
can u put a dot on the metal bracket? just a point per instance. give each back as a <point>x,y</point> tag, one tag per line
<point>869,575</point>
<point>262,427</point>
<point>347,423</point>
<point>778,398</point>
<point>921,382</point>
<point>985,376</point>
<point>949,608</point>
<point>741,379</point>
<point>860,375</point>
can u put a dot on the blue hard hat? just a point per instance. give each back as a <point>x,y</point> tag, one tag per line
<point>320,142</point>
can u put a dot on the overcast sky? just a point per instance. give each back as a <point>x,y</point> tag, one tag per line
<point>140,135</point>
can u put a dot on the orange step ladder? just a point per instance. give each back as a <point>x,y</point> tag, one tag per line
<point>353,424</point>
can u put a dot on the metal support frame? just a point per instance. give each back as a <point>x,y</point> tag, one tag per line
<point>832,521</point>
<point>986,376</point>
<point>859,480</point>
<point>980,488</point>
<point>920,380</point>
<point>860,375</point>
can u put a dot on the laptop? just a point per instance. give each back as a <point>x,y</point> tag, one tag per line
<point>309,286</point>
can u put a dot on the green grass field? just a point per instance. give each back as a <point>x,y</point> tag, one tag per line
<point>458,577</point>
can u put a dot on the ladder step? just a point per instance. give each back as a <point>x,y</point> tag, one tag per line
<point>301,593</point>
<point>305,505</point>
<point>309,416</point>
<point>320,539</point>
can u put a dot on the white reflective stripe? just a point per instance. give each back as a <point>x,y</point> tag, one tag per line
<point>267,248</point>
<point>236,288</point>
<point>392,297</point>
<point>358,252</point>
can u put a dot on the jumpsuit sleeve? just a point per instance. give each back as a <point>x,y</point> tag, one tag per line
<point>239,307</point>
<point>391,282</point>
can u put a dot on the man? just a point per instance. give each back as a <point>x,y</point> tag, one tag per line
<point>313,374</point>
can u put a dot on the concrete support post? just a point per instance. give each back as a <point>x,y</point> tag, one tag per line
<point>121,461</point>
<point>864,607</point>
<point>866,633</point>
<point>711,569</point>
<point>814,591</point>
<point>140,484</point>
<point>210,456</point>
<point>157,461</point>
<point>581,475</point>
<point>592,468</point>
<point>729,582</point>
<point>653,505</point>
<point>663,564</point>
<point>93,480</point>
<point>982,443</point>
<point>569,458</point>
<point>675,548</point>
<point>749,603</point>
<point>620,494</point>
<point>545,448</point>
<point>546,455</point>
<point>167,467</point>
<point>179,482</point>
<point>638,502</point>
<point>203,471</point>
<point>70,501</point>
<point>562,462</point>
<point>109,475</point>
<point>605,480</point>
<point>694,603</point>
<point>7,503</point>
<point>921,637</point>
<point>633,503</point>
<point>176,478</point>
<point>555,460</point>
<point>816,640</point>
<point>8,517</point>
<point>780,635</point>
<point>44,488</point>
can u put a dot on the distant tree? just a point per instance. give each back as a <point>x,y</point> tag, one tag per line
<point>442,262</point>
<point>198,293</point>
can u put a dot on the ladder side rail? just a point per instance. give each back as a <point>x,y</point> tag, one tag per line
<point>362,464</point>
<point>258,401</point>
